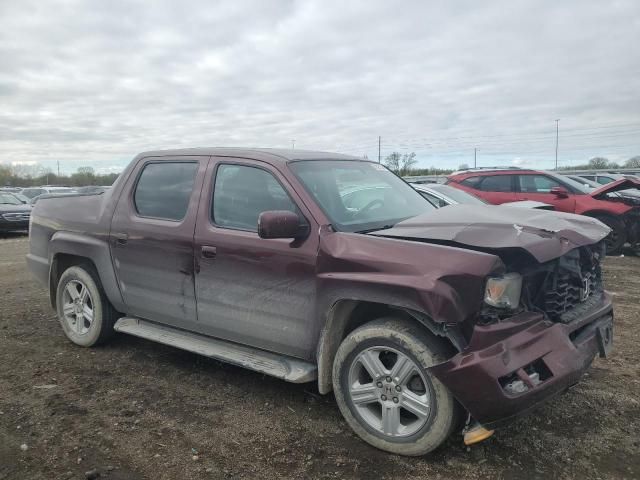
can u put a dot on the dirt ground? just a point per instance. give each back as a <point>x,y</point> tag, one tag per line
<point>137,410</point>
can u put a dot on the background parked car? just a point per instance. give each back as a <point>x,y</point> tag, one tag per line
<point>502,185</point>
<point>32,192</point>
<point>442,195</point>
<point>19,196</point>
<point>14,215</point>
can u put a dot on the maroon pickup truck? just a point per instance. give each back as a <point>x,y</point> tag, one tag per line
<point>321,267</point>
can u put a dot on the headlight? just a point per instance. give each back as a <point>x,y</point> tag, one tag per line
<point>504,291</point>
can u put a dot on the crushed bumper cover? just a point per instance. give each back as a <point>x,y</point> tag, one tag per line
<point>557,354</point>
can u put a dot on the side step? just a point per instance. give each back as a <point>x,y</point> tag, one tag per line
<point>287,368</point>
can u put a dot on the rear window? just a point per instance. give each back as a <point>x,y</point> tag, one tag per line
<point>164,190</point>
<point>496,183</point>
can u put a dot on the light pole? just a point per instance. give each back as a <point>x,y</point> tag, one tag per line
<point>557,130</point>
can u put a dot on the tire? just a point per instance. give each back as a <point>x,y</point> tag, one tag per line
<point>81,328</point>
<point>618,236</point>
<point>406,416</point>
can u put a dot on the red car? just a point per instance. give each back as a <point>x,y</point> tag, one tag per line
<point>620,213</point>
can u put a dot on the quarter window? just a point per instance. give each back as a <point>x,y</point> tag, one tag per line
<point>496,183</point>
<point>164,190</point>
<point>241,193</point>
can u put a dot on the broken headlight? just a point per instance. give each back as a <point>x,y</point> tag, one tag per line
<point>504,291</point>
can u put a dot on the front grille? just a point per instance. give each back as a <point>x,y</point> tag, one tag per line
<point>16,217</point>
<point>573,286</point>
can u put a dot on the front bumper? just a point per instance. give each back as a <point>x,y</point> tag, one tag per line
<point>558,353</point>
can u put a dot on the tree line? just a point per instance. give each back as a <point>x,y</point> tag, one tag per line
<point>33,176</point>
<point>403,165</point>
<point>602,163</point>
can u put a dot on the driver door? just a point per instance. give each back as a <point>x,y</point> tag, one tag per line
<point>250,290</point>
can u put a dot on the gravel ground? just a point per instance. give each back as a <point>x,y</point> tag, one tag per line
<point>138,410</point>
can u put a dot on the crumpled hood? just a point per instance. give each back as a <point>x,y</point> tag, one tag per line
<point>618,185</point>
<point>545,235</point>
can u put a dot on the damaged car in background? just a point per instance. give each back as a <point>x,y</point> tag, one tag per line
<point>424,322</point>
<point>612,203</point>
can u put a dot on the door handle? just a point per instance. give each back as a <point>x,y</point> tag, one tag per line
<point>121,238</point>
<point>208,251</point>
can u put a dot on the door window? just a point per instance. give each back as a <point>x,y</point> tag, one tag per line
<point>164,189</point>
<point>241,193</point>
<point>537,184</point>
<point>496,183</point>
<point>473,182</point>
<point>604,180</point>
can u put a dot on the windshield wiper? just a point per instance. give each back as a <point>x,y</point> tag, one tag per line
<point>369,230</point>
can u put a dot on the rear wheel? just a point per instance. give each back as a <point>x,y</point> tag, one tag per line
<point>385,391</point>
<point>618,237</point>
<point>85,314</point>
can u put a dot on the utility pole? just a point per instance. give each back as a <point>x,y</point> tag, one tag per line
<point>379,143</point>
<point>475,158</point>
<point>293,144</point>
<point>58,168</point>
<point>557,130</point>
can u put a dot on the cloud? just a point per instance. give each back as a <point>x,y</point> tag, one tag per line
<point>88,83</point>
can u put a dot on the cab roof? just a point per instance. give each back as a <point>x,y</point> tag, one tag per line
<point>265,154</point>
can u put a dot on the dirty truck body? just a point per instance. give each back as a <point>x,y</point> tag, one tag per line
<point>287,306</point>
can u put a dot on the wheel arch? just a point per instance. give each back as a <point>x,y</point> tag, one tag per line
<point>348,314</point>
<point>67,249</point>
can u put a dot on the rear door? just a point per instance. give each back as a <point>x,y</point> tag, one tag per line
<point>151,239</point>
<point>250,290</point>
<point>538,187</point>
<point>497,189</point>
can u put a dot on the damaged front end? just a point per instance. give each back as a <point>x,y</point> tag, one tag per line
<point>519,357</point>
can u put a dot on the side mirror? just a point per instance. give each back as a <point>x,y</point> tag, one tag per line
<point>281,224</point>
<point>560,192</point>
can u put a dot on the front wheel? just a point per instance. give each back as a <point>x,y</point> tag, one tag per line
<point>386,393</point>
<point>85,314</point>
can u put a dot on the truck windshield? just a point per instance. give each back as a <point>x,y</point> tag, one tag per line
<point>359,196</point>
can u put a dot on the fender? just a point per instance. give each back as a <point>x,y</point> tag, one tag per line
<point>339,315</point>
<point>93,249</point>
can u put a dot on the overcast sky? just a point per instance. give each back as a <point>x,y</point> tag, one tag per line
<point>94,83</point>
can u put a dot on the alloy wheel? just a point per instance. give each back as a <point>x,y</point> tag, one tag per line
<point>77,307</point>
<point>389,392</point>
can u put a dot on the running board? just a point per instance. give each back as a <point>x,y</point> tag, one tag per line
<point>280,366</point>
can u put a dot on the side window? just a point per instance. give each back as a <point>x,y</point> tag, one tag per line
<point>241,193</point>
<point>496,183</point>
<point>164,189</point>
<point>473,182</point>
<point>537,183</point>
<point>604,180</point>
